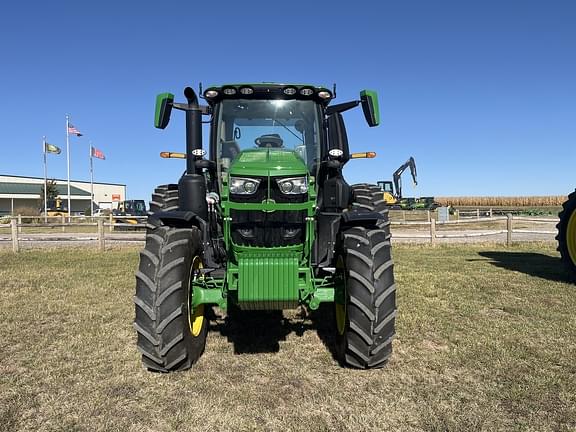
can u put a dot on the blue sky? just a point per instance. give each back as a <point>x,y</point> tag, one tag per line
<point>481,94</point>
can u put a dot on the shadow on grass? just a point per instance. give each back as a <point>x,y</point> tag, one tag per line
<point>253,332</point>
<point>324,323</point>
<point>533,264</point>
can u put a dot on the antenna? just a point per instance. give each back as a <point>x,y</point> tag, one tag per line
<point>200,93</point>
<point>334,90</point>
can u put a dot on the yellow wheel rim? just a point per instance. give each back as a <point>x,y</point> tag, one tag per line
<point>196,315</point>
<point>340,308</point>
<point>571,237</point>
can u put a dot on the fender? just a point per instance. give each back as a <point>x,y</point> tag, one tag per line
<point>328,227</point>
<point>188,219</point>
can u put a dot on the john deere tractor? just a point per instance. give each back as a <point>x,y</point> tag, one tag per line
<point>567,234</point>
<point>264,220</point>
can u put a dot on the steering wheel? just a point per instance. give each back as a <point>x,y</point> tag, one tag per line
<point>269,141</point>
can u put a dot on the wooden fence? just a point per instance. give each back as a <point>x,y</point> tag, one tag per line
<point>102,225</point>
<point>433,233</point>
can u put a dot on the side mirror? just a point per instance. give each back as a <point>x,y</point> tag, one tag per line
<point>164,103</point>
<point>369,100</point>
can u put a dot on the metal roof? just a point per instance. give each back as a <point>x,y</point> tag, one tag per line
<point>36,189</point>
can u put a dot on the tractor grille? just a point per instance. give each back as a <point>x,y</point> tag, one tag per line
<point>262,229</point>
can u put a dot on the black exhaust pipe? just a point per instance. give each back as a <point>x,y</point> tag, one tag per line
<point>192,185</point>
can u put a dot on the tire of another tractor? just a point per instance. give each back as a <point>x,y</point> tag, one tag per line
<point>370,198</point>
<point>567,234</point>
<point>365,306</point>
<point>171,336</point>
<point>164,198</point>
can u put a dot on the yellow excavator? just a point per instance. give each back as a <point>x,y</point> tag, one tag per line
<point>135,208</point>
<point>56,207</point>
<point>567,234</point>
<point>393,191</point>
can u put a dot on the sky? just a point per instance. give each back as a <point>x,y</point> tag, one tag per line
<point>481,94</point>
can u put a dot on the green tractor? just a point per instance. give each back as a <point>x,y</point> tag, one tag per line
<point>264,220</point>
<point>567,234</point>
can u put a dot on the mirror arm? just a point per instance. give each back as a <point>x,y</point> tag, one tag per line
<point>340,108</point>
<point>204,109</point>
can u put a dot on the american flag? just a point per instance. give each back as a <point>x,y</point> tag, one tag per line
<point>73,131</point>
<point>97,153</point>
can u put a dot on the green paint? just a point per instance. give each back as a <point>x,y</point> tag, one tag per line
<point>372,95</point>
<point>268,280</point>
<point>160,112</point>
<point>268,162</point>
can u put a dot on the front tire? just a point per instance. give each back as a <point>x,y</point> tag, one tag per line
<point>171,335</point>
<point>365,298</point>
<point>567,234</point>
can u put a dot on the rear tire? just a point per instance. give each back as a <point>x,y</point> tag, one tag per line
<point>567,234</point>
<point>365,298</point>
<point>369,198</point>
<point>164,198</point>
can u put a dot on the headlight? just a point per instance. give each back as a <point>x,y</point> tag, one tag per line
<point>293,185</point>
<point>243,186</point>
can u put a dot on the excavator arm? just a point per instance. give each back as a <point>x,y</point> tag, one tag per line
<point>397,176</point>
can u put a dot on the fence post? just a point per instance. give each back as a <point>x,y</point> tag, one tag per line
<point>101,243</point>
<point>477,213</point>
<point>509,229</point>
<point>490,212</point>
<point>20,224</point>
<point>63,221</point>
<point>457,214</point>
<point>433,231</point>
<point>15,244</point>
<point>111,222</point>
<point>427,215</point>
<point>404,215</point>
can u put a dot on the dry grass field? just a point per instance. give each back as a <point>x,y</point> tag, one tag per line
<point>486,341</point>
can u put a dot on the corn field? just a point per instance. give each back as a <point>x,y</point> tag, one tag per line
<point>517,201</point>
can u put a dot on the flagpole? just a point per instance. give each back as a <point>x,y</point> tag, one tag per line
<point>45,180</point>
<point>68,163</point>
<point>91,183</point>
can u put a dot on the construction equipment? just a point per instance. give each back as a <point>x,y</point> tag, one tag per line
<point>567,234</point>
<point>125,209</point>
<point>264,220</point>
<point>393,191</point>
<point>56,207</point>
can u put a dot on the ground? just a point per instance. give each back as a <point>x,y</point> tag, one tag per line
<point>486,341</point>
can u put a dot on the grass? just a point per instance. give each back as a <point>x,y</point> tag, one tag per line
<point>486,341</point>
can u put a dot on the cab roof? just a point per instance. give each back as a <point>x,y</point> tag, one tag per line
<point>268,90</point>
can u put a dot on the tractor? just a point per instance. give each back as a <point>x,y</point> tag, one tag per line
<point>263,220</point>
<point>567,234</point>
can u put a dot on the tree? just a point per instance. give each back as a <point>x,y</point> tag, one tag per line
<point>51,193</point>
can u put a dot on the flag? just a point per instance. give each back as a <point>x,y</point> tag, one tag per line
<point>97,153</point>
<point>50,148</point>
<point>72,130</point>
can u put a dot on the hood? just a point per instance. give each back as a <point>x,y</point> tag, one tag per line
<point>268,162</point>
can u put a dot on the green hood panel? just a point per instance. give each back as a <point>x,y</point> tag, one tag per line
<point>268,162</point>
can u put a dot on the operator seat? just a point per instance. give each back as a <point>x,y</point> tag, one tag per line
<point>269,141</point>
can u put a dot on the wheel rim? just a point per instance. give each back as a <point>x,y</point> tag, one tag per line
<point>196,315</point>
<point>571,237</point>
<point>340,297</point>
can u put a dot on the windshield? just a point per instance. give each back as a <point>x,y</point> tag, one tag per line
<point>287,124</point>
